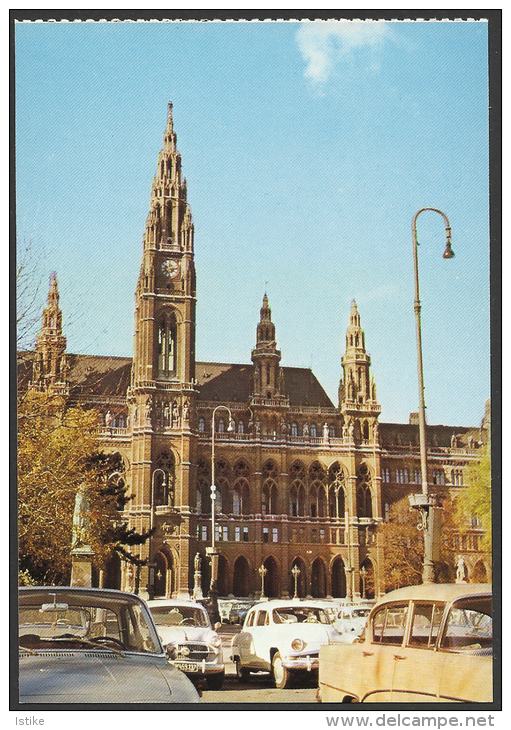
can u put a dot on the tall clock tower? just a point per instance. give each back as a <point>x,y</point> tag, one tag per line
<point>162,395</point>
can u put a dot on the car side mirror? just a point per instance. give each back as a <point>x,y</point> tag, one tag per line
<point>217,626</point>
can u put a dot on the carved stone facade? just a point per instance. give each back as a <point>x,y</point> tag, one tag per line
<point>299,481</point>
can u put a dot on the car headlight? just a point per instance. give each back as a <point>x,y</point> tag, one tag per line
<point>298,644</point>
<point>216,642</point>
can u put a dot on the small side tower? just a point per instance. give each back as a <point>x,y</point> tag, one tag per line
<point>268,382</point>
<point>49,373</point>
<point>357,390</point>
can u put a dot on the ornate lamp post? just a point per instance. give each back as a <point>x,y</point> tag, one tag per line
<point>425,502</point>
<point>262,572</point>
<point>363,575</point>
<point>152,564</point>
<point>212,551</point>
<point>296,572</point>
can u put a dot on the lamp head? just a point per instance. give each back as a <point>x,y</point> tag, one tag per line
<point>448,253</point>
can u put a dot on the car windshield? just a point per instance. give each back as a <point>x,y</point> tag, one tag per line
<point>360,612</point>
<point>300,614</point>
<point>65,619</point>
<point>179,616</point>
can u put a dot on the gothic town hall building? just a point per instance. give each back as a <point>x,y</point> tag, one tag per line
<point>300,481</point>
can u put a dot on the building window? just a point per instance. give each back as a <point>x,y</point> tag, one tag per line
<point>416,476</point>
<point>266,534</point>
<point>202,425</point>
<point>457,477</point>
<point>218,533</point>
<point>322,535</point>
<point>198,533</point>
<point>237,533</point>
<point>438,476</point>
<point>220,426</point>
<point>275,536</point>
<point>314,430</point>
<point>167,346</point>
<point>225,533</point>
<point>245,534</point>
<point>406,477</point>
<point>314,535</point>
<point>385,475</point>
<point>204,533</point>
<point>241,427</point>
<point>294,429</point>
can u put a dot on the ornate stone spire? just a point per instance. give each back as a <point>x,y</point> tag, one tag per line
<point>50,362</point>
<point>267,380</point>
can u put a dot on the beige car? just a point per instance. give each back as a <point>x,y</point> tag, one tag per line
<point>426,643</point>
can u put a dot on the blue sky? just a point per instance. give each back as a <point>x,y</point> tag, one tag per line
<point>308,148</point>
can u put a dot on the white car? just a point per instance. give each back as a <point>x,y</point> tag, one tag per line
<point>191,643</point>
<point>351,620</point>
<point>283,638</point>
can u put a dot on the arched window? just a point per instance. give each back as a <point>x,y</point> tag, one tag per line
<point>220,426</point>
<point>314,430</point>
<point>167,346</point>
<point>202,425</point>
<point>241,427</point>
<point>294,429</point>
<point>364,496</point>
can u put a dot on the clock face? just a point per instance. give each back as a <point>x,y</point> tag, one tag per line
<point>170,268</point>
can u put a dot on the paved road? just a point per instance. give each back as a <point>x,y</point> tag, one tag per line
<point>260,689</point>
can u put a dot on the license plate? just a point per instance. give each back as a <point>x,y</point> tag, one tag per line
<point>186,666</point>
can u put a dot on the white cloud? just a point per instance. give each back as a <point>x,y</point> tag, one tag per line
<point>325,44</point>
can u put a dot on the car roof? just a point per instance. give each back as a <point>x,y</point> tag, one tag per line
<point>437,592</point>
<point>292,602</point>
<point>74,594</point>
<point>174,602</point>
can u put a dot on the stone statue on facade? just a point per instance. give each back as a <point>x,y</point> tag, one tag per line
<point>197,576</point>
<point>81,522</point>
<point>460,570</point>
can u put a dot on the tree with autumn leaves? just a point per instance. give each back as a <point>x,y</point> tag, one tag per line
<point>58,454</point>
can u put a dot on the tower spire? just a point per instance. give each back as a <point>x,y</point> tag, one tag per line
<point>268,381</point>
<point>357,390</point>
<point>50,363</point>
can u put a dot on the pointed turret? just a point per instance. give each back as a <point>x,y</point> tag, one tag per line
<point>50,363</point>
<point>268,380</point>
<point>357,391</point>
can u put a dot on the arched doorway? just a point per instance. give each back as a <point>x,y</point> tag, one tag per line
<point>240,579</point>
<point>338,578</point>
<point>164,579</point>
<point>112,572</point>
<point>366,575</point>
<point>298,580</point>
<point>223,576</point>
<point>318,579</point>
<point>480,575</point>
<point>271,582</point>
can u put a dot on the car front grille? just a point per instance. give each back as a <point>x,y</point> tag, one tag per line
<point>197,652</point>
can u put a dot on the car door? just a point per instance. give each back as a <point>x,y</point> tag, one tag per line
<point>418,664</point>
<point>260,647</point>
<point>243,640</point>
<point>379,659</point>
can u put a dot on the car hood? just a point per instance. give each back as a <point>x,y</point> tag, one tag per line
<point>180,634</point>
<point>91,677</point>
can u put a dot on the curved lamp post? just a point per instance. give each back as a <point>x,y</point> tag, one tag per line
<point>213,590</point>
<point>425,502</point>
<point>152,564</point>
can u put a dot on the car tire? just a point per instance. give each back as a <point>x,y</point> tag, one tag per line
<point>281,675</point>
<point>215,681</point>
<point>242,674</point>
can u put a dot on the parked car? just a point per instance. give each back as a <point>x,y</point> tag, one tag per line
<point>89,645</point>
<point>239,610</point>
<point>351,619</point>
<point>191,643</point>
<point>427,643</point>
<point>282,637</point>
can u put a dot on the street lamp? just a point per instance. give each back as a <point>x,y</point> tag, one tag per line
<point>425,502</point>
<point>152,564</point>
<point>213,589</point>
<point>262,572</point>
<point>337,487</point>
<point>363,574</point>
<point>296,572</point>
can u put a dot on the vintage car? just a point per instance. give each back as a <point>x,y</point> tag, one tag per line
<point>192,645</point>
<point>426,643</point>
<point>283,638</point>
<point>89,645</point>
<point>351,619</point>
<point>239,610</point>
